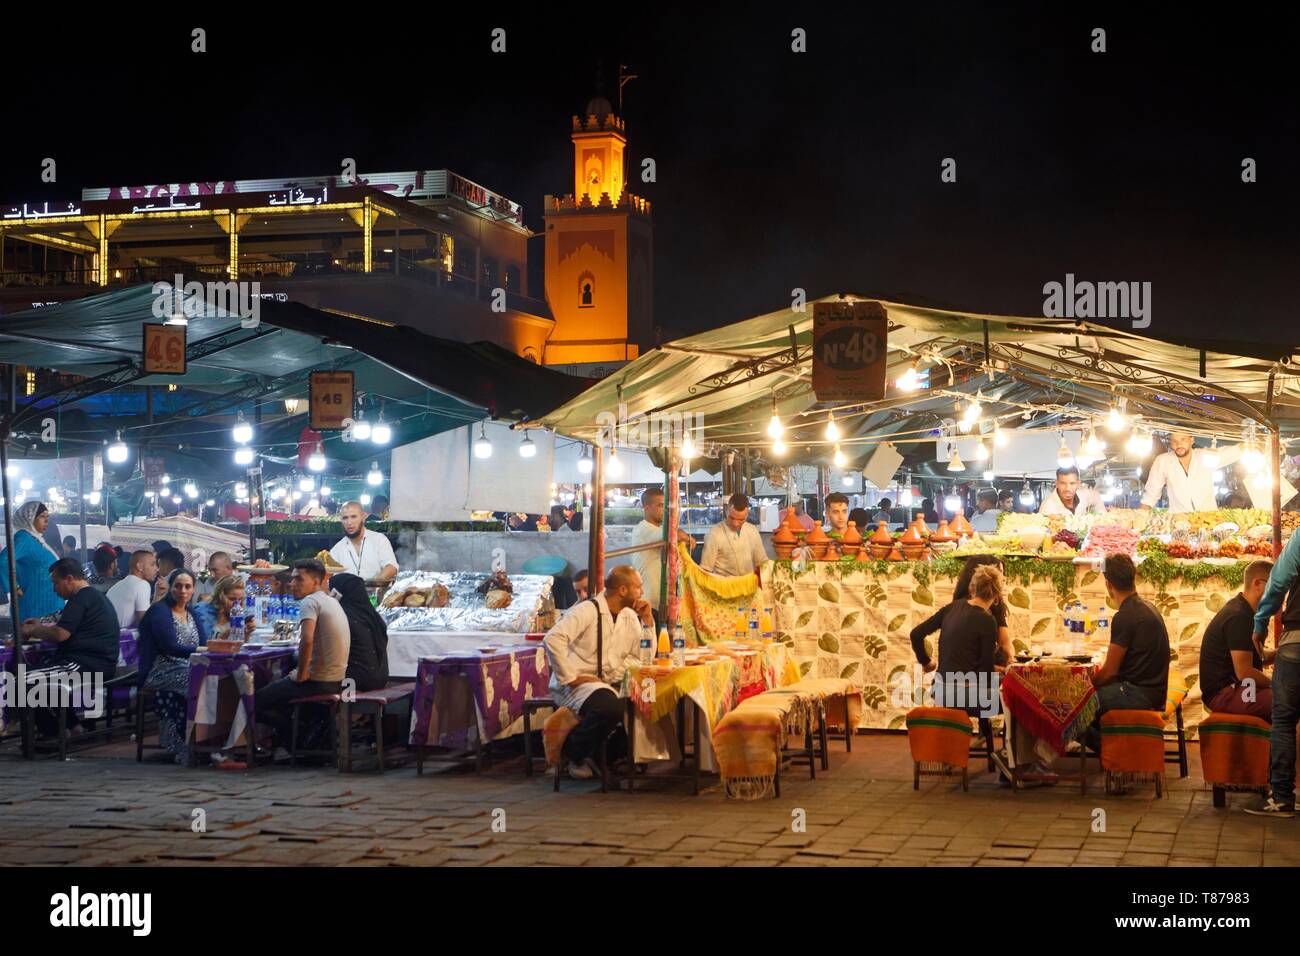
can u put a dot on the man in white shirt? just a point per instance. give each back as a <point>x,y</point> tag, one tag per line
<point>578,683</point>
<point>219,566</point>
<point>132,595</point>
<point>649,564</point>
<point>1069,499</point>
<point>367,554</point>
<point>986,519</point>
<point>733,546</point>
<point>1184,476</point>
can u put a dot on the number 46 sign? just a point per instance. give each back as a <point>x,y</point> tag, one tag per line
<point>331,400</point>
<point>164,349</point>
<point>849,347</point>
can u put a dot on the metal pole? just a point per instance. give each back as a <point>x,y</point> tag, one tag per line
<point>81,493</point>
<point>596,533</point>
<point>15,615</point>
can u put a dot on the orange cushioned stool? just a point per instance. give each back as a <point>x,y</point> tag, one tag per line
<point>940,741</point>
<point>1132,742</point>
<point>1234,754</point>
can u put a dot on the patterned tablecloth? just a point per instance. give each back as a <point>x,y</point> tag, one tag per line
<point>249,669</point>
<point>1054,702</point>
<point>498,684</point>
<point>42,654</point>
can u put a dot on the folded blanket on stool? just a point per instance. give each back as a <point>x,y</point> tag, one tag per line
<point>1234,750</point>
<point>555,732</point>
<point>939,735</point>
<point>1133,741</point>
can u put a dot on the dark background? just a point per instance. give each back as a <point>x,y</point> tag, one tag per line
<point>775,170</point>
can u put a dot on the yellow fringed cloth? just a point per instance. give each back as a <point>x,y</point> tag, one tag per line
<point>747,741</point>
<point>555,732</point>
<point>709,601</point>
<point>939,737</point>
<point>1234,750</point>
<point>709,684</point>
<point>1133,741</point>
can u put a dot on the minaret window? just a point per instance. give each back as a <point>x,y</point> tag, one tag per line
<point>586,291</point>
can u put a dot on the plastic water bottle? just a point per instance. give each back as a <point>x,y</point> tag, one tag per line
<point>647,645</point>
<point>679,647</point>
<point>753,624</point>
<point>250,601</point>
<point>295,612</point>
<point>237,622</point>
<point>1103,624</point>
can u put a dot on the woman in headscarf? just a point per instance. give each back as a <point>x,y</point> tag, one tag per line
<point>368,656</point>
<point>32,560</point>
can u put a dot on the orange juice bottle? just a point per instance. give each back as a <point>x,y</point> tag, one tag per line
<point>665,648</point>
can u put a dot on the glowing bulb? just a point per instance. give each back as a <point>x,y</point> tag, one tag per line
<point>1027,496</point>
<point>307,484</point>
<point>316,461</point>
<point>150,494</point>
<point>25,484</point>
<point>909,381</point>
<point>774,427</point>
<point>314,503</point>
<point>93,498</point>
<point>614,466</point>
<point>848,481</point>
<point>1109,479</point>
<point>117,451</point>
<point>243,456</point>
<point>832,430</point>
<point>778,447</point>
<point>906,499</point>
<point>981,451</point>
<point>839,458</point>
<point>1210,457</point>
<point>325,491</point>
<point>1000,438</point>
<point>972,412</point>
<point>209,503</point>
<point>360,429</point>
<point>483,445</point>
<point>584,463</point>
<point>1095,445</point>
<point>527,447</point>
<point>374,476</point>
<point>297,496</point>
<point>191,490</point>
<point>1262,480</point>
<point>953,504</point>
<point>12,470</point>
<point>1115,420</point>
<point>954,461</point>
<point>1064,457</point>
<point>242,433</point>
<point>988,476</point>
<point>241,489</point>
<point>689,450</point>
<point>381,434</point>
<point>365,501</point>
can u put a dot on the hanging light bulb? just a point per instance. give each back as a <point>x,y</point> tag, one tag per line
<point>12,470</point>
<point>241,489</point>
<point>839,458</point>
<point>1064,457</point>
<point>25,484</point>
<point>365,501</point>
<point>210,503</point>
<point>778,447</point>
<point>242,433</point>
<point>1115,420</point>
<point>1210,457</point>
<point>381,434</point>
<point>1095,445</point>
<point>374,476</point>
<point>906,499</point>
<point>1262,480</point>
<point>614,466</point>
<point>973,408</point>
<point>326,491</point>
<point>981,451</point>
<point>1252,457</point>
<point>482,444</point>
<point>988,475</point>
<point>191,490</point>
<point>952,504</point>
<point>527,447</point>
<point>954,460</point>
<point>832,430</point>
<point>584,461</point>
<point>243,456</point>
<point>361,429</point>
<point>1000,437</point>
<point>909,381</point>
<point>689,450</point>
<point>307,483</point>
<point>848,481</point>
<point>117,452</point>
<point>316,461</point>
<point>93,498</point>
<point>1109,479</point>
<point>297,496</point>
<point>774,426</point>
<point>176,499</point>
<point>1027,495</point>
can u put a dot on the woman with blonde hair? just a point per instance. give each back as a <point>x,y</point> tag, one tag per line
<point>968,636</point>
<point>227,594</point>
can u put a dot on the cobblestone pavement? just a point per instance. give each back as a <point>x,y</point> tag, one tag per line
<point>100,810</point>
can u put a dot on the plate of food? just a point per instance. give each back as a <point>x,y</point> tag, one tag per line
<point>262,567</point>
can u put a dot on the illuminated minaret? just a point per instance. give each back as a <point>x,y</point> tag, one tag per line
<point>599,265</point>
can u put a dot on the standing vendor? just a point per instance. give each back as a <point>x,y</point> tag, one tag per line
<point>1069,499</point>
<point>367,554</point>
<point>1184,476</point>
<point>733,547</point>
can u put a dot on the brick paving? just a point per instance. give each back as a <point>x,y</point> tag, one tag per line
<point>102,808</point>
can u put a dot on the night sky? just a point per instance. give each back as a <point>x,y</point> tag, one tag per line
<point>775,170</point>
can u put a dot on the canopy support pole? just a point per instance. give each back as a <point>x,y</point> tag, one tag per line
<point>672,560</point>
<point>1275,467</point>
<point>596,530</point>
<point>15,615</point>
<point>81,495</point>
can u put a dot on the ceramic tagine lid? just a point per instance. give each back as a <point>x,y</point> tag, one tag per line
<point>783,535</point>
<point>911,536</point>
<point>943,534</point>
<point>882,535</point>
<point>922,529</point>
<point>817,536</point>
<point>852,535</point>
<point>793,523</point>
<point>961,527</point>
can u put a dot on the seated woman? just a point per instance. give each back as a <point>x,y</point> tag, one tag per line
<point>961,591</point>
<point>227,594</point>
<point>368,654</point>
<point>968,637</point>
<point>169,634</point>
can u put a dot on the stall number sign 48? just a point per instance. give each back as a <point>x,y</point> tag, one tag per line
<point>849,349</point>
<point>164,349</point>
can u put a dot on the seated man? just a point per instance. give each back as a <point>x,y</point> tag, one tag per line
<point>985,520</point>
<point>105,563</point>
<point>1135,674</point>
<point>322,653</point>
<point>87,636</point>
<point>168,561</point>
<point>610,618</point>
<point>1232,679</point>
<point>219,566</point>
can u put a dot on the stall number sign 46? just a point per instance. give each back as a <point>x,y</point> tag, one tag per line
<point>849,349</point>
<point>331,400</point>
<point>164,349</point>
